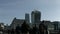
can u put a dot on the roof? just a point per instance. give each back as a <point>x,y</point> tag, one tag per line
<point>17,21</point>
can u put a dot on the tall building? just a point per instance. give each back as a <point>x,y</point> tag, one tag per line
<point>27,18</point>
<point>35,16</point>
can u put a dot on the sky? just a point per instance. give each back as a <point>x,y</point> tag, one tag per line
<point>50,9</point>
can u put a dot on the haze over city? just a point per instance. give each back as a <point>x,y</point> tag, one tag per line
<point>50,9</point>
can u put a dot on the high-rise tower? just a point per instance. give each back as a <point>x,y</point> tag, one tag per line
<point>27,18</point>
<point>35,16</point>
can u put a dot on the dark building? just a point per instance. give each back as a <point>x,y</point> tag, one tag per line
<point>35,17</point>
<point>27,18</point>
<point>56,25</point>
<point>16,22</point>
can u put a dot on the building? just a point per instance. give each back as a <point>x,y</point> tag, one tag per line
<point>16,22</point>
<point>35,17</point>
<point>1,26</point>
<point>27,18</point>
<point>49,25</point>
<point>56,25</point>
<point>52,27</point>
<point>7,27</point>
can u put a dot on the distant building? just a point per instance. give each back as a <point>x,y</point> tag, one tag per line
<point>1,26</point>
<point>49,25</point>
<point>56,25</point>
<point>35,17</point>
<point>16,22</point>
<point>7,27</point>
<point>27,18</point>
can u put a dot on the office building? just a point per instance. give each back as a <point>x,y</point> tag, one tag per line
<point>27,18</point>
<point>35,16</point>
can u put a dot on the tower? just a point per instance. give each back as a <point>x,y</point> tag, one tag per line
<point>27,18</point>
<point>35,16</point>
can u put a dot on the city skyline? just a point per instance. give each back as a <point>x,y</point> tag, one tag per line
<point>50,9</point>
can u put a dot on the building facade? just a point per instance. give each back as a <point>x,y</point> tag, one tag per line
<point>1,26</point>
<point>56,25</point>
<point>49,25</point>
<point>27,18</point>
<point>35,16</point>
<point>16,22</point>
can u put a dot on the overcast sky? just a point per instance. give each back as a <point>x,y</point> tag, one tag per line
<point>50,9</point>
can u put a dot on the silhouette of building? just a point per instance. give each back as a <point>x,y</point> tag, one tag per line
<point>27,18</point>
<point>16,22</point>
<point>56,25</point>
<point>35,16</point>
<point>49,25</point>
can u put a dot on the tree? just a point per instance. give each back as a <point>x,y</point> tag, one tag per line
<point>42,28</point>
<point>18,29</point>
<point>24,27</point>
<point>8,31</point>
<point>30,31</point>
<point>34,29</point>
<point>12,31</point>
